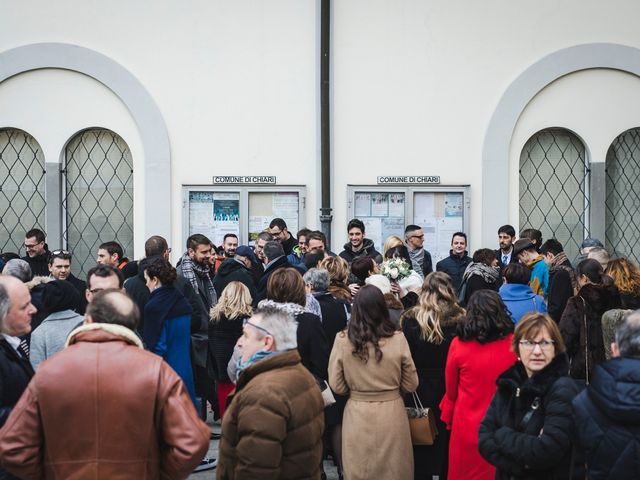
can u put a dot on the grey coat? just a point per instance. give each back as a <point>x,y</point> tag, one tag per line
<point>51,335</point>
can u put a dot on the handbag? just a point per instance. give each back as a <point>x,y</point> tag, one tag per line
<point>422,423</point>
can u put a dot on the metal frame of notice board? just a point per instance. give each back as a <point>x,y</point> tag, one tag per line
<point>450,212</point>
<point>227,201</point>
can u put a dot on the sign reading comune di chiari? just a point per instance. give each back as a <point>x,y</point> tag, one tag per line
<point>411,179</point>
<point>245,179</point>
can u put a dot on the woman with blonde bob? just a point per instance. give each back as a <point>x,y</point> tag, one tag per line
<point>527,430</point>
<point>429,328</point>
<point>225,327</point>
<point>338,269</point>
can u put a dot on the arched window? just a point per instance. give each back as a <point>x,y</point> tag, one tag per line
<point>22,194</point>
<point>98,198</point>
<point>554,186</point>
<point>622,217</point>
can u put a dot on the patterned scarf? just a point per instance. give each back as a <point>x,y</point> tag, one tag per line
<point>558,263</point>
<point>292,309</point>
<point>189,271</point>
<point>488,274</point>
<point>417,260</point>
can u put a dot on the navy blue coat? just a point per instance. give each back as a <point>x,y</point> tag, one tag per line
<point>607,417</point>
<point>454,266</point>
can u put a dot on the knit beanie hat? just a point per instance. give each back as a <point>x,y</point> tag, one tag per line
<point>60,295</point>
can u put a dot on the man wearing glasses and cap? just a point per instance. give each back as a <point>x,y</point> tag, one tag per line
<point>60,269</point>
<point>37,252</point>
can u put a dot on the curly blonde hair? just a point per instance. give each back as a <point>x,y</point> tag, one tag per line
<point>437,305</point>
<point>625,274</point>
<point>235,301</point>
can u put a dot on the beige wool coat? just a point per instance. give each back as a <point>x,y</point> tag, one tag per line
<point>376,442</point>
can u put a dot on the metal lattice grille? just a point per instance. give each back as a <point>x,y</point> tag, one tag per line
<point>622,217</point>
<point>554,188</point>
<point>99,196</point>
<point>22,190</point>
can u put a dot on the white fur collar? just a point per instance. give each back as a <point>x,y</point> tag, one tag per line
<point>118,330</point>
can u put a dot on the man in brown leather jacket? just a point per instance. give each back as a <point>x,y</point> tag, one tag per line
<point>104,407</point>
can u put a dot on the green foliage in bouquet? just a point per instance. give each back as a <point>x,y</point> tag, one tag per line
<point>395,269</point>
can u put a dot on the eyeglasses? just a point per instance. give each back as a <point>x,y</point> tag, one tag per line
<point>531,345</point>
<point>60,253</point>
<point>247,322</point>
<point>33,245</point>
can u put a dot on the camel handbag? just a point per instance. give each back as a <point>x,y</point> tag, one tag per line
<point>422,423</point>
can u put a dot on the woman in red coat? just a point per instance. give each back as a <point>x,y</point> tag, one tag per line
<point>480,352</point>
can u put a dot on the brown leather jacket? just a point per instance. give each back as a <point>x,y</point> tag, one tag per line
<point>273,426</point>
<point>103,408</point>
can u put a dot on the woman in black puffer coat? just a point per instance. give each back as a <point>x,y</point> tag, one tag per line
<point>528,429</point>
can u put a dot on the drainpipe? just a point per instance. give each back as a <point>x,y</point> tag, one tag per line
<point>325,120</point>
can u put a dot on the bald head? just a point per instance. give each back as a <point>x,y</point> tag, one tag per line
<point>113,306</point>
<point>16,309</point>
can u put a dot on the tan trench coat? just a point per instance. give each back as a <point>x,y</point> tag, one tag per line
<point>376,442</point>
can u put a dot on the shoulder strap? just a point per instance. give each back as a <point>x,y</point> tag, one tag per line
<point>527,416</point>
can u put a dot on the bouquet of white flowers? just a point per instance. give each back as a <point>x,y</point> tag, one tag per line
<point>395,269</point>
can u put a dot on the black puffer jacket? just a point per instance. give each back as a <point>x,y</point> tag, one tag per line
<point>368,250</point>
<point>232,270</point>
<point>607,417</point>
<point>585,345</point>
<point>454,266</point>
<point>538,447</point>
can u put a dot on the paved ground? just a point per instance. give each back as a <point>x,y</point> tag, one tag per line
<point>332,474</point>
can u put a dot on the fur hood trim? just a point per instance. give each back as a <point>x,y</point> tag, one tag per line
<point>118,330</point>
<point>516,376</point>
<point>37,280</point>
<point>600,297</point>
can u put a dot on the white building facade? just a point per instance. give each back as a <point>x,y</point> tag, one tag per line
<point>168,118</point>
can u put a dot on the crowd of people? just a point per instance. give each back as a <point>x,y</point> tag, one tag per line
<point>528,363</point>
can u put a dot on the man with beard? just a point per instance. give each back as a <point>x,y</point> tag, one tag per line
<point>506,237</point>
<point>358,245</point>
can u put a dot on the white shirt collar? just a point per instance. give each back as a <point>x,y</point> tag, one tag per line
<point>13,341</point>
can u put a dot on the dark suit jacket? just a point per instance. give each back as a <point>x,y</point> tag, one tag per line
<point>281,262</point>
<point>513,259</point>
<point>15,374</point>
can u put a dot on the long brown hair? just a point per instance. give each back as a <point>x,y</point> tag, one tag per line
<point>625,274</point>
<point>369,322</point>
<point>437,304</point>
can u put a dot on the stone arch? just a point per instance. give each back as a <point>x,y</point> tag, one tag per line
<point>141,106</point>
<point>495,154</point>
